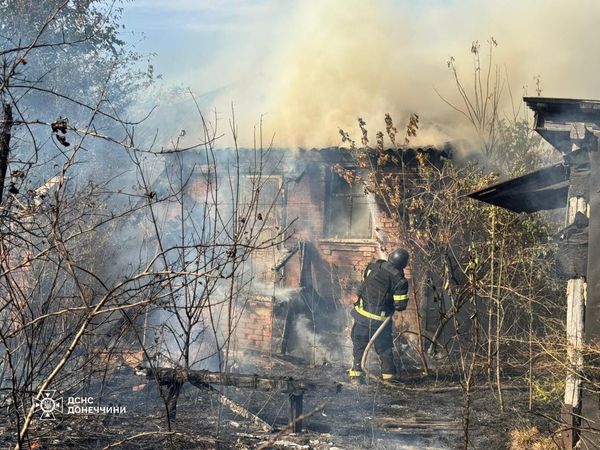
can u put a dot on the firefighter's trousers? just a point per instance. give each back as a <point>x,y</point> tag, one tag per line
<point>362,331</point>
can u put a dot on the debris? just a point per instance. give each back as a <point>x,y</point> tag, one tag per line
<point>241,411</point>
<point>249,436</point>
<point>138,388</point>
<point>286,256</point>
<point>288,444</point>
<point>174,378</point>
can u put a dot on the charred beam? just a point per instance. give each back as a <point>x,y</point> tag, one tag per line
<point>283,261</point>
<point>296,401</point>
<point>204,378</point>
<point>238,409</point>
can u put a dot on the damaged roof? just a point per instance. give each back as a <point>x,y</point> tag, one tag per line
<point>563,121</point>
<point>571,126</point>
<point>573,107</point>
<point>543,189</point>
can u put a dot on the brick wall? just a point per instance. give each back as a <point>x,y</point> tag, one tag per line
<point>348,259</point>
<point>254,329</point>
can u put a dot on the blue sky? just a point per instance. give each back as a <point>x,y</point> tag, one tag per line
<point>185,34</point>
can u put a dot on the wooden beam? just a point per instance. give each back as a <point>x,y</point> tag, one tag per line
<point>576,295</point>
<point>238,409</point>
<point>296,412</point>
<point>249,381</point>
<point>570,411</point>
<point>590,401</point>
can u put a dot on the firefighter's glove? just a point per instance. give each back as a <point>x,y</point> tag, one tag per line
<point>400,305</point>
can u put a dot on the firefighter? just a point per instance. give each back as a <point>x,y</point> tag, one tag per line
<point>383,291</point>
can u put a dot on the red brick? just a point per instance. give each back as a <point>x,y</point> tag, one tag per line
<point>366,248</point>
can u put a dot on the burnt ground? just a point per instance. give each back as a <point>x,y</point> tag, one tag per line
<point>421,413</point>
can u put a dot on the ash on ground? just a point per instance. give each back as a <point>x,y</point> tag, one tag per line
<point>419,413</point>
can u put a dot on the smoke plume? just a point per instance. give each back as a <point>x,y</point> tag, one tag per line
<point>320,65</point>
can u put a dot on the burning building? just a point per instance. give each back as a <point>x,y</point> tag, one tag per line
<point>324,231</point>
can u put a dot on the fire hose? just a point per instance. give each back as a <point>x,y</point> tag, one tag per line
<point>363,361</point>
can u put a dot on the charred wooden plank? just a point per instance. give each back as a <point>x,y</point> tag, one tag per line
<point>201,378</point>
<point>296,404</point>
<point>238,409</point>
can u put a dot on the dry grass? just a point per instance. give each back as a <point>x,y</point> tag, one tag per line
<point>530,439</point>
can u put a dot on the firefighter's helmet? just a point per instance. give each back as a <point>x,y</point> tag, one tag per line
<point>399,258</point>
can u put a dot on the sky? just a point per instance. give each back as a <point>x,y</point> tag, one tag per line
<point>307,68</point>
<point>187,34</point>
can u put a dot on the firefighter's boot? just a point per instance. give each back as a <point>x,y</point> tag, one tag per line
<point>357,377</point>
<point>391,378</point>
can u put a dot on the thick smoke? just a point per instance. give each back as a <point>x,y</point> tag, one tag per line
<point>320,65</point>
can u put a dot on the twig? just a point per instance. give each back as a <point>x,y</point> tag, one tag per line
<point>289,427</point>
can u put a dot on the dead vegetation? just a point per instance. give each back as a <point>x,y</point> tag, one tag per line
<point>530,438</point>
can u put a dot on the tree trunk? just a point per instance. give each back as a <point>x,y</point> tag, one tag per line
<point>6,125</point>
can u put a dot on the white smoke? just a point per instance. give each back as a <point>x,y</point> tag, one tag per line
<point>314,67</point>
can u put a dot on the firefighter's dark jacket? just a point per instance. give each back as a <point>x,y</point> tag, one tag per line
<point>384,289</point>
